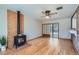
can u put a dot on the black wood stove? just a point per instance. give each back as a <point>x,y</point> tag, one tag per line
<point>19,39</point>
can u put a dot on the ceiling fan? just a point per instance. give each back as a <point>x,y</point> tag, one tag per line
<point>48,13</point>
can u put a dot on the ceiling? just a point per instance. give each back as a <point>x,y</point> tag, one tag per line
<point>34,10</point>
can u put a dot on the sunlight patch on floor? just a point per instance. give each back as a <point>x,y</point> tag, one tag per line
<point>53,42</point>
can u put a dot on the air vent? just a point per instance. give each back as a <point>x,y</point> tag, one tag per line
<point>59,8</point>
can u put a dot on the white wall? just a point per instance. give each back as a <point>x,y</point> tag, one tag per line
<point>3,21</point>
<point>64,26</point>
<point>32,27</point>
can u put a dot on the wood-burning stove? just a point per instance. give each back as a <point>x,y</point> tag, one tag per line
<point>19,39</point>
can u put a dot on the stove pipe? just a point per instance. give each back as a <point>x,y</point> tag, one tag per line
<point>18,22</point>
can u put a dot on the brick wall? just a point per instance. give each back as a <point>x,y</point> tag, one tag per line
<point>12,26</point>
<point>21,23</point>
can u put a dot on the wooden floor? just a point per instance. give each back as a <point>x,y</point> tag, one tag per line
<point>45,46</point>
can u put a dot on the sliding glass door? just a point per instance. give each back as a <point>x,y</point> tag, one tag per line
<point>55,30</point>
<point>51,29</point>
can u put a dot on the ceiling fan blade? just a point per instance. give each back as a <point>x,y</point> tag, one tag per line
<point>53,13</point>
<point>43,12</point>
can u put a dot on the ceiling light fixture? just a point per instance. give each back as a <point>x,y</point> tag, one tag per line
<point>47,17</point>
